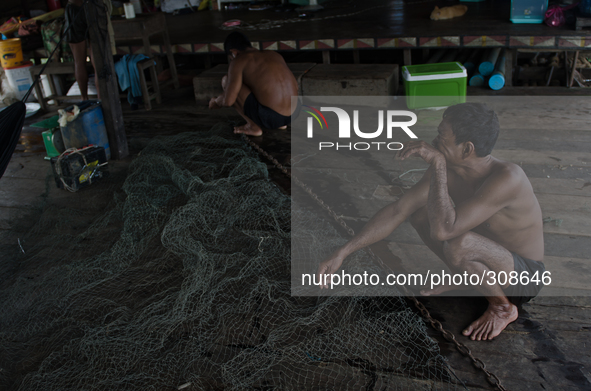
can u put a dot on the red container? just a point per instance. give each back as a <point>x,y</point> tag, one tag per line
<point>54,5</point>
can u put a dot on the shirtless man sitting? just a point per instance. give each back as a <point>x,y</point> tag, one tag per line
<point>259,85</point>
<point>475,212</point>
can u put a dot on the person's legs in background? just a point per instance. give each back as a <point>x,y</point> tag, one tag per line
<point>96,83</point>
<point>79,53</point>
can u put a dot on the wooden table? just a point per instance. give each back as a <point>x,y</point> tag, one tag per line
<point>142,27</point>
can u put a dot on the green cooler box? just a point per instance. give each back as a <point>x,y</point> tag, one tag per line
<point>434,85</point>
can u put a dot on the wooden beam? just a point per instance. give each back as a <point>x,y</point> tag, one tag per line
<point>106,79</point>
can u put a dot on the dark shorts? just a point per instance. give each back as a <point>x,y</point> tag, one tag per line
<point>79,30</point>
<point>519,294</point>
<point>265,117</point>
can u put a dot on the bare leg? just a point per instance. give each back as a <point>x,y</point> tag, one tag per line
<point>79,53</point>
<point>475,254</point>
<point>250,128</point>
<point>420,222</point>
<point>96,83</point>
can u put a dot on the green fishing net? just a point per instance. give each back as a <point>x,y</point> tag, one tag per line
<point>176,275</point>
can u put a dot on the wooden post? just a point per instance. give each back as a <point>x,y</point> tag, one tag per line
<point>170,56</point>
<point>356,59</point>
<point>25,8</point>
<point>574,68</point>
<point>510,60</point>
<point>106,80</point>
<point>566,81</point>
<point>326,57</point>
<point>407,56</point>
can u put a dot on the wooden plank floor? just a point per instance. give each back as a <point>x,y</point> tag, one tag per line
<point>546,348</point>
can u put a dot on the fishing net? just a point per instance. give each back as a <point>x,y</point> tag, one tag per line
<point>176,275</point>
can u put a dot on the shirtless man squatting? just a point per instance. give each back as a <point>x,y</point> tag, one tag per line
<point>259,85</point>
<point>475,212</point>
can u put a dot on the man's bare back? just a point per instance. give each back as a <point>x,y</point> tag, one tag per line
<point>259,85</point>
<point>270,80</point>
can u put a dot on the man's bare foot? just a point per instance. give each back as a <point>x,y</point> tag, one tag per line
<point>250,130</point>
<point>439,289</point>
<point>283,127</point>
<point>492,322</point>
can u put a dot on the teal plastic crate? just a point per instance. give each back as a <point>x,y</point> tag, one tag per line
<point>434,85</point>
<point>528,11</point>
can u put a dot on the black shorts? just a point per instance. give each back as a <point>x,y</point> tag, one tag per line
<point>519,294</point>
<point>265,117</point>
<point>76,17</point>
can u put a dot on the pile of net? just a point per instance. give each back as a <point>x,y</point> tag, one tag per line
<point>178,277</point>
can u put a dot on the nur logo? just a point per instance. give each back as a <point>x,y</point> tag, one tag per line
<point>345,122</point>
<point>315,116</point>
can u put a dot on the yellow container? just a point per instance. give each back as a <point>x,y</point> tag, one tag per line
<point>11,53</point>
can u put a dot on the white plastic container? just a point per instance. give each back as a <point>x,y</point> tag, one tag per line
<point>20,80</point>
<point>129,10</point>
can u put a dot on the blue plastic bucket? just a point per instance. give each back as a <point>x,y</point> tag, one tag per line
<point>88,128</point>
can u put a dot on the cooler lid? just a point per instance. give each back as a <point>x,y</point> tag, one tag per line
<point>444,70</point>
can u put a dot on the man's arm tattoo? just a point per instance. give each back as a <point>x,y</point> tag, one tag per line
<point>440,208</point>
